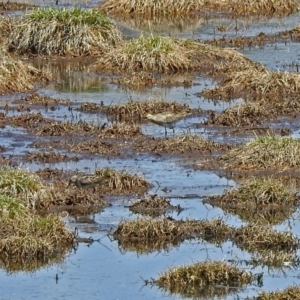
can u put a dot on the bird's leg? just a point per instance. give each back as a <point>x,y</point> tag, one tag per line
<point>165,131</point>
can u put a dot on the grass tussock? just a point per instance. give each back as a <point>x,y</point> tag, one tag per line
<point>168,55</point>
<point>49,31</point>
<point>258,192</point>
<point>177,7</point>
<point>16,182</point>
<point>49,157</point>
<point>291,292</point>
<point>148,7</point>
<point>153,206</point>
<point>263,153</point>
<point>253,114</point>
<point>256,238</point>
<point>37,99</point>
<point>214,231</point>
<point>122,181</point>
<point>27,235</point>
<point>259,201</point>
<point>253,82</point>
<point>188,280</point>
<point>17,76</point>
<point>181,145</point>
<point>148,246</point>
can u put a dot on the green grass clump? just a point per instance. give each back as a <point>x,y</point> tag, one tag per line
<point>154,53</point>
<point>63,32</point>
<point>11,207</point>
<point>18,181</point>
<point>262,153</point>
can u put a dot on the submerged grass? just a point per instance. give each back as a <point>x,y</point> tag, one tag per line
<point>63,32</point>
<point>263,153</point>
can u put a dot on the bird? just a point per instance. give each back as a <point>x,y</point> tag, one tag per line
<point>166,119</point>
<point>87,181</point>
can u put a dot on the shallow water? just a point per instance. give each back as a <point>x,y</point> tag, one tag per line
<point>103,269</point>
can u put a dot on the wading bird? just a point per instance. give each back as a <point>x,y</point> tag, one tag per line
<point>87,181</point>
<point>166,119</point>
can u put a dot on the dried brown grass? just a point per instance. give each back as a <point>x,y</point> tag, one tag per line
<point>263,153</point>
<point>17,76</point>
<point>254,82</point>
<point>291,292</point>
<point>72,32</point>
<point>168,55</point>
<point>177,7</point>
<point>188,280</point>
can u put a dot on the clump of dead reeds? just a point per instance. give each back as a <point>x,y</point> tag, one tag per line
<point>27,235</point>
<point>215,230</point>
<point>249,114</point>
<point>259,200</point>
<point>17,76</point>
<point>254,113</point>
<point>291,292</point>
<point>182,144</point>
<point>154,53</point>
<point>251,82</point>
<point>258,192</point>
<point>166,55</point>
<point>153,206</point>
<point>148,7</point>
<point>123,181</point>
<point>63,32</point>
<point>148,246</point>
<point>188,280</point>
<point>179,7</point>
<point>36,98</point>
<point>263,153</point>
<point>48,157</point>
<point>256,238</point>
<point>257,7</point>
